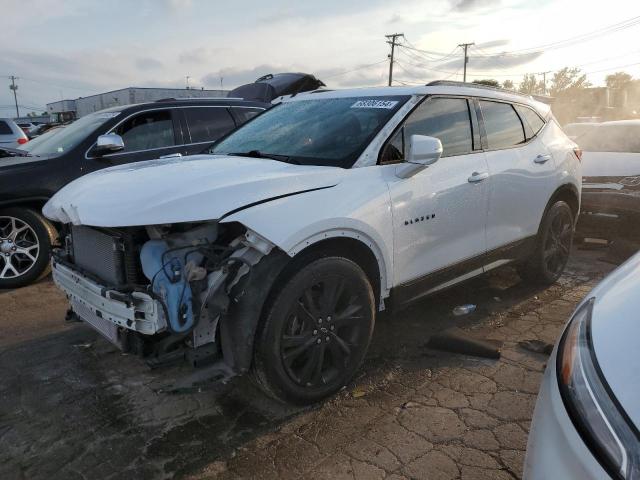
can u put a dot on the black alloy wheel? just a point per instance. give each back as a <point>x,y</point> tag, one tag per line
<point>553,246</point>
<point>317,331</point>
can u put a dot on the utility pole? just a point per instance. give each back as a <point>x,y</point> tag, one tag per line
<point>466,58</point>
<point>14,87</point>
<point>392,41</point>
<point>544,81</point>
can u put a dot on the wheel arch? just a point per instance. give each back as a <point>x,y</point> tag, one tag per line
<point>568,193</point>
<point>240,326</point>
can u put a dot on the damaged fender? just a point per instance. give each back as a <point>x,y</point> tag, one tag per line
<point>358,210</point>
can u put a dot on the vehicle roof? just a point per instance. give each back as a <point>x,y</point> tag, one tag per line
<point>190,102</point>
<point>444,88</point>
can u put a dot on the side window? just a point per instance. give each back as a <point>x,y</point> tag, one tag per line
<point>5,129</point>
<point>147,130</point>
<point>502,124</point>
<point>394,150</point>
<point>245,114</point>
<point>531,121</point>
<point>207,124</point>
<point>444,118</point>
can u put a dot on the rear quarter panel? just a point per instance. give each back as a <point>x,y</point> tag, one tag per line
<point>568,168</point>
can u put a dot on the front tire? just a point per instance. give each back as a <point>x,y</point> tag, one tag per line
<point>316,331</point>
<point>25,245</point>
<point>553,246</point>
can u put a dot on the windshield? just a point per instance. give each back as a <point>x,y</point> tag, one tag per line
<point>611,138</point>
<point>329,132</point>
<point>67,138</point>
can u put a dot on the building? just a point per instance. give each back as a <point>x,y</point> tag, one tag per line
<point>65,110</point>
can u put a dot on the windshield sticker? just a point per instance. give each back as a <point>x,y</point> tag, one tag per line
<point>387,104</point>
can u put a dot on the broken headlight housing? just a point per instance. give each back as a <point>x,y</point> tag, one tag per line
<point>595,412</point>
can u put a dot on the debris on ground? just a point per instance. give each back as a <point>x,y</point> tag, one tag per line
<point>464,309</point>
<point>358,392</point>
<point>455,340</point>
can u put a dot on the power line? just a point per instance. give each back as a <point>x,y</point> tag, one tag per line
<point>631,22</point>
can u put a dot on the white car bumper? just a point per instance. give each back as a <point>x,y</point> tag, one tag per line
<point>555,449</point>
<point>106,310</point>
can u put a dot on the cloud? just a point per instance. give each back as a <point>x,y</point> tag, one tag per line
<point>201,55</point>
<point>493,62</point>
<point>493,43</point>
<point>146,63</point>
<point>467,5</point>
<point>178,5</point>
<point>233,77</point>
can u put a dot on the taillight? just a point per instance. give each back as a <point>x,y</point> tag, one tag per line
<point>578,152</point>
<point>22,141</point>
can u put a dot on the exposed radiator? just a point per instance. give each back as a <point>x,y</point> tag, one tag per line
<point>109,255</point>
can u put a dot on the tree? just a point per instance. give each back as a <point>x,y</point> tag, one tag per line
<point>618,80</point>
<point>508,85</point>
<point>531,86</point>
<point>568,79</point>
<point>490,82</point>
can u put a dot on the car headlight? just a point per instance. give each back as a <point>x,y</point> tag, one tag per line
<point>596,413</point>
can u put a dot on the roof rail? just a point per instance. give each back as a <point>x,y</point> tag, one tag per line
<point>187,99</point>
<point>452,83</point>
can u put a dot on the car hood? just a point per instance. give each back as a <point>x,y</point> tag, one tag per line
<point>615,333</point>
<point>173,190</point>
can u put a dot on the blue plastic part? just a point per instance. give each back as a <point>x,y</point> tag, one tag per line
<point>169,282</point>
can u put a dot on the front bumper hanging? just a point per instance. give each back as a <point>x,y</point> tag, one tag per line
<point>107,310</point>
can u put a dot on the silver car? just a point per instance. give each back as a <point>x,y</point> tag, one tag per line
<point>11,135</point>
<point>587,415</point>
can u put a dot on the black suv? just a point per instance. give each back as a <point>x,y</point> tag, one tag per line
<point>30,176</point>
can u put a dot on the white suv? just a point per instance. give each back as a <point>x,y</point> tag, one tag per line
<point>273,253</point>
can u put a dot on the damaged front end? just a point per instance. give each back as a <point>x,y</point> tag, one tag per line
<point>162,291</point>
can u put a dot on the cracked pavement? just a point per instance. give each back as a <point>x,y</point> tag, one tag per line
<point>71,406</point>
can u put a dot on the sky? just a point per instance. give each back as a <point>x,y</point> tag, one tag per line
<point>71,48</point>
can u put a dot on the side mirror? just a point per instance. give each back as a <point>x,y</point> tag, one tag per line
<point>111,142</point>
<point>422,151</point>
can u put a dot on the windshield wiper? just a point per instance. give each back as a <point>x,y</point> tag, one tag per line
<point>270,156</point>
<point>14,152</point>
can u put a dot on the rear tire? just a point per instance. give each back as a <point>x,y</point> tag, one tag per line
<point>25,246</point>
<point>316,331</point>
<point>553,246</point>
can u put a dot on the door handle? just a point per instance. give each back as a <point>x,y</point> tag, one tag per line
<point>478,177</point>
<point>171,155</point>
<point>542,159</point>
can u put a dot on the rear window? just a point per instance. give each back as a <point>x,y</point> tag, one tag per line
<point>5,129</point>
<point>530,120</point>
<point>207,124</point>
<point>611,138</point>
<point>502,124</point>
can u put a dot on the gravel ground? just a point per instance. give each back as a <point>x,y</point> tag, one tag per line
<point>71,406</point>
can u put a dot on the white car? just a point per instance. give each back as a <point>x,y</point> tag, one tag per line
<point>611,180</point>
<point>587,415</point>
<point>274,252</point>
<point>11,135</point>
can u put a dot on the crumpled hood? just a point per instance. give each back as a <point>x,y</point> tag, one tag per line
<point>173,190</point>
